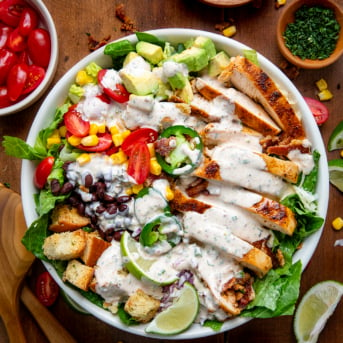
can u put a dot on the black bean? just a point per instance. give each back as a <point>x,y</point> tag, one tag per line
<point>88,180</point>
<point>100,209</point>
<point>112,208</point>
<point>108,198</point>
<point>55,186</point>
<point>74,201</point>
<point>123,207</point>
<point>117,235</point>
<point>80,208</point>
<point>67,188</point>
<point>123,198</point>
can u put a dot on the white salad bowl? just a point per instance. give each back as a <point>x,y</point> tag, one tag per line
<point>58,95</point>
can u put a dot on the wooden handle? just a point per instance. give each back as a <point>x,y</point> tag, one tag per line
<point>13,327</point>
<point>53,330</point>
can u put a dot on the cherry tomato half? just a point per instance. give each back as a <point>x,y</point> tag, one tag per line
<point>139,162</point>
<point>118,94</point>
<point>42,172</point>
<point>28,21</point>
<point>10,11</point>
<point>16,80</point>
<point>47,289</point>
<point>16,42</point>
<point>143,135</point>
<point>35,76</point>
<point>4,100</point>
<point>39,47</point>
<point>7,60</point>
<point>105,143</point>
<point>75,124</point>
<point>4,34</point>
<point>318,109</point>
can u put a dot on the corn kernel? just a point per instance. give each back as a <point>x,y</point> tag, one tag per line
<point>102,128</point>
<point>53,140</point>
<point>119,157</point>
<point>321,84</point>
<point>341,153</point>
<point>82,78</point>
<point>62,131</point>
<point>155,167</point>
<point>91,140</point>
<point>117,139</point>
<point>114,130</point>
<point>151,148</point>
<point>125,133</point>
<point>55,133</point>
<point>337,223</point>
<point>136,188</point>
<point>229,31</point>
<point>279,3</point>
<point>83,159</point>
<point>169,193</point>
<point>93,129</point>
<point>128,191</point>
<point>325,95</point>
<point>74,140</point>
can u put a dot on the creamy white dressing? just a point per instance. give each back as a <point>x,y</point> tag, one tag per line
<point>170,68</point>
<point>304,161</point>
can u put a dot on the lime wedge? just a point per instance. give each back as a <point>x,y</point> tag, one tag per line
<point>140,265</point>
<point>314,309</point>
<point>179,316</point>
<point>336,138</point>
<point>336,173</point>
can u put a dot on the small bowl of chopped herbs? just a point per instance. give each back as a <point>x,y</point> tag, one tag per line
<point>310,33</point>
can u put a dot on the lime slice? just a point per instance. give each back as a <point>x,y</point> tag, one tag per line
<point>315,308</point>
<point>141,265</point>
<point>336,173</point>
<point>336,138</point>
<point>179,316</point>
<point>73,304</point>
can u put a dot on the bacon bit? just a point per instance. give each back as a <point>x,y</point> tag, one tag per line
<point>290,70</point>
<point>93,44</point>
<point>128,24</point>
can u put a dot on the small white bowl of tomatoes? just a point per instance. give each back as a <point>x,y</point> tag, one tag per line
<point>28,53</point>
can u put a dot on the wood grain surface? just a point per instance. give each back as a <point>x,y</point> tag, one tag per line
<point>256,25</point>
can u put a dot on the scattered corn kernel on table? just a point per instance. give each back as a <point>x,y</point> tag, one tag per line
<point>256,27</point>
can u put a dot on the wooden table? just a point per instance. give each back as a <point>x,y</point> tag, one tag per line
<point>256,23</point>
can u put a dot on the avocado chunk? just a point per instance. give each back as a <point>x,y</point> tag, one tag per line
<point>142,83</point>
<point>129,57</point>
<point>186,93</point>
<point>218,63</point>
<point>177,81</point>
<point>195,58</point>
<point>151,52</point>
<point>206,44</point>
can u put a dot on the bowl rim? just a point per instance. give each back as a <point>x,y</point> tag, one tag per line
<point>49,24</point>
<point>283,21</point>
<point>58,94</point>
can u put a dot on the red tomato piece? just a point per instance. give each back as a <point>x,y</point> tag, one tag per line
<point>139,162</point>
<point>143,135</point>
<point>47,289</point>
<point>75,124</point>
<point>16,42</point>
<point>16,80</point>
<point>4,100</point>
<point>118,94</point>
<point>7,60</point>
<point>4,34</point>
<point>39,47</point>
<point>318,109</point>
<point>10,11</point>
<point>23,57</point>
<point>34,78</point>
<point>105,143</point>
<point>42,172</point>
<point>28,21</point>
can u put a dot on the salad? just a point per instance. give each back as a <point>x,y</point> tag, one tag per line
<point>177,170</point>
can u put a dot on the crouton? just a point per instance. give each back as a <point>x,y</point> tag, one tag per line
<point>78,274</point>
<point>95,246</point>
<point>65,245</point>
<point>141,306</point>
<point>66,218</point>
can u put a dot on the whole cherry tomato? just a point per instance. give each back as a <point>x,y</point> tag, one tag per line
<point>143,135</point>
<point>28,21</point>
<point>75,124</point>
<point>7,60</point>
<point>35,76</point>
<point>39,47</point>
<point>42,171</point>
<point>139,162</point>
<point>4,34</point>
<point>16,42</point>
<point>47,289</point>
<point>16,80</point>
<point>318,109</point>
<point>117,93</point>
<point>10,11</point>
<point>4,100</point>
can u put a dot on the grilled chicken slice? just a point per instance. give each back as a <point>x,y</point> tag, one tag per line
<point>251,80</point>
<point>248,111</point>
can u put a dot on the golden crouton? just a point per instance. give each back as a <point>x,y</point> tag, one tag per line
<point>141,306</point>
<point>78,274</point>
<point>66,218</point>
<point>95,246</point>
<point>65,245</point>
